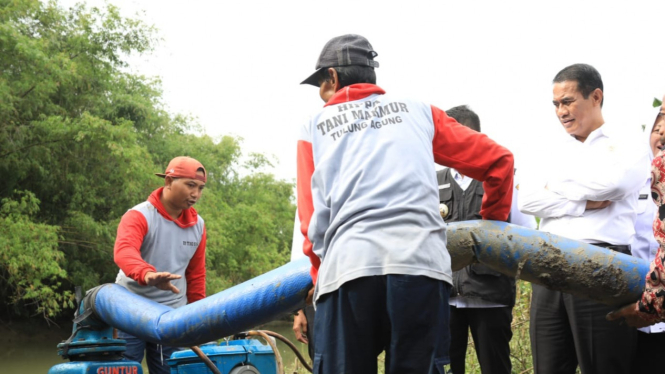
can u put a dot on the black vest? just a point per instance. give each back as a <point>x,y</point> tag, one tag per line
<point>476,280</point>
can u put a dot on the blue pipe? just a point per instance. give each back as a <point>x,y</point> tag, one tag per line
<point>538,257</point>
<point>242,307</point>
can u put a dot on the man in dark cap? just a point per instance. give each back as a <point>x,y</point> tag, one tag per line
<point>368,206</point>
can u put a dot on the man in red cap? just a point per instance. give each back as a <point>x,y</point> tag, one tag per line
<point>160,249</point>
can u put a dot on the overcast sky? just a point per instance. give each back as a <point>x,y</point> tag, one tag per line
<point>237,65</point>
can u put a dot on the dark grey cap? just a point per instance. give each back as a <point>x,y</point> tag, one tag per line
<point>345,50</point>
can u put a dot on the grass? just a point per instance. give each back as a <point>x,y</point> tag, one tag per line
<point>520,347</point>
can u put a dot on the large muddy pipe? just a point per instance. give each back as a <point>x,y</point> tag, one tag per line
<point>553,261</point>
<point>556,262</point>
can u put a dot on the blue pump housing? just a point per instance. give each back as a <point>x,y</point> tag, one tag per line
<point>236,356</point>
<point>120,366</point>
<point>92,349</point>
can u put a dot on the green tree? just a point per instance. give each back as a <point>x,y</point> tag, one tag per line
<point>80,139</point>
<point>30,259</point>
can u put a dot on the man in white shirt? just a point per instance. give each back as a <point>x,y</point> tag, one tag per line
<point>586,189</point>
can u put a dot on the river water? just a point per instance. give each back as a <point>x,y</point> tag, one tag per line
<point>36,352</point>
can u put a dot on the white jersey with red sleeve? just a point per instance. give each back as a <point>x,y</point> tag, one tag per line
<point>367,191</point>
<point>149,239</point>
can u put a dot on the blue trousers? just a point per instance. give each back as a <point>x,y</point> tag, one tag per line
<point>156,354</point>
<point>406,316</point>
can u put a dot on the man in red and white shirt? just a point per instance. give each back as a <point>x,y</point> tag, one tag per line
<point>160,249</point>
<point>368,206</point>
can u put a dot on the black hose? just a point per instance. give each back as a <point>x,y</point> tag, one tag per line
<point>278,357</point>
<point>205,359</point>
<point>292,346</point>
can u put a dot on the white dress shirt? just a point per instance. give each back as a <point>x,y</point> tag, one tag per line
<point>602,168</point>
<point>517,217</point>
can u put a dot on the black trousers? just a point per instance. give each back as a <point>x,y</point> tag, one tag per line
<point>567,331</point>
<point>404,315</point>
<point>650,349</point>
<point>155,354</point>
<point>491,332</point>
<point>310,314</point>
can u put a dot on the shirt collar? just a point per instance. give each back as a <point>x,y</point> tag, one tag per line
<point>456,174</point>
<point>596,134</point>
<point>354,92</point>
<point>187,218</point>
<point>593,136</point>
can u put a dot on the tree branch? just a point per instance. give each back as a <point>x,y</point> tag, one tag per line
<point>28,91</point>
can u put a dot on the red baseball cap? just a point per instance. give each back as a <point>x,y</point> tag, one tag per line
<point>184,167</point>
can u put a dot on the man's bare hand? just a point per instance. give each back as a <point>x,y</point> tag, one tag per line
<point>162,280</point>
<point>630,314</point>
<point>300,326</point>
<point>593,205</point>
<point>310,297</point>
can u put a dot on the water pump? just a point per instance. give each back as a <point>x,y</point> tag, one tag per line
<point>92,349</point>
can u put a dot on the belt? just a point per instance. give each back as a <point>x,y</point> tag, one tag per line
<point>625,249</point>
